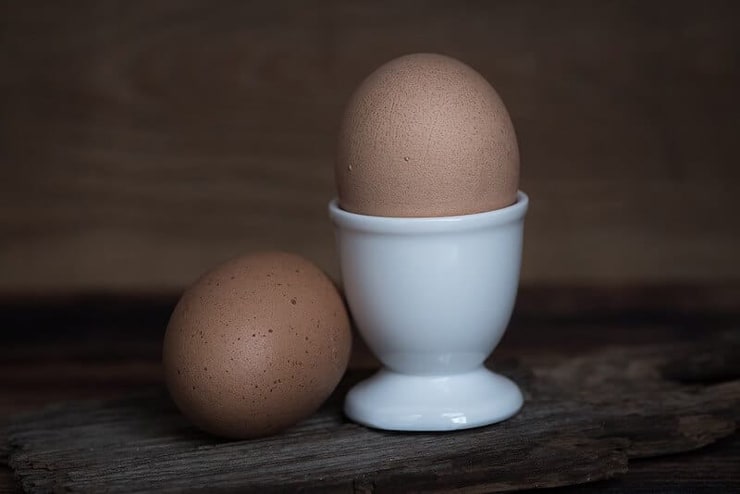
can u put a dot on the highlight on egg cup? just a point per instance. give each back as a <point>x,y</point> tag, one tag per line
<point>432,297</point>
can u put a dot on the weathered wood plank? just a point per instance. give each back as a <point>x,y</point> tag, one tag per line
<point>141,142</point>
<point>585,417</point>
<point>707,471</point>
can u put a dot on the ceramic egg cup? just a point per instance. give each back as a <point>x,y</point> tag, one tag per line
<point>432,298</point>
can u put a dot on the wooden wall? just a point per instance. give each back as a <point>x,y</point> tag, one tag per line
<point>143,141</point>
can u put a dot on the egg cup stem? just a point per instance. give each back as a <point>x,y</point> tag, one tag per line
<point>432,298</point>
<point>395,401</point>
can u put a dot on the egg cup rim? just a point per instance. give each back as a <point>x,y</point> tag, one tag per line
<point>395,224</point>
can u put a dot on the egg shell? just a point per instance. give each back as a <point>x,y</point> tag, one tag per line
<point>426,135</point>
<point>256,345</point>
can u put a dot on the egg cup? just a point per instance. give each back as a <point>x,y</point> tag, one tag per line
<point>432,298</point>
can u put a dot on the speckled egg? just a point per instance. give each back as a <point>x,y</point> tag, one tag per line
<point>256,345</point>
<point>426,135</point>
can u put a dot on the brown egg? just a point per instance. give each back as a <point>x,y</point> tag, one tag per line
<point>426,135</point>
<point>256,345</point>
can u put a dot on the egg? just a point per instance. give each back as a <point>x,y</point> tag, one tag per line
<point>256,345</point>
<point>426,135</point>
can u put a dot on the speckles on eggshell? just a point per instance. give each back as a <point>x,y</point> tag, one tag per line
<point>444,115</point>
<point>274,363</point>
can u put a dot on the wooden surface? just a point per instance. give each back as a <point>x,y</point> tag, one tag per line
<point>583,420</point>
<point>110,348</point>
<point>143,141</point>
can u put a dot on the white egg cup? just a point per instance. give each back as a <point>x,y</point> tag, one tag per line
<point>432,298</point>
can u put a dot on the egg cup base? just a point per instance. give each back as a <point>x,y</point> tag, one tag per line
<point>402,402</point>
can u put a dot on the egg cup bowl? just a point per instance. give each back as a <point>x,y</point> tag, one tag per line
<point>432,298</point>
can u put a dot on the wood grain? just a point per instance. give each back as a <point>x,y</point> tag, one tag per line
<point>707,471</point>
<point>108,346</point>
<point>583,420</point>
<point>141,142</point>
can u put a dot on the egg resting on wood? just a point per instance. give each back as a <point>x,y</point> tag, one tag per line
<point>256,345</point>
<point>426,135</point>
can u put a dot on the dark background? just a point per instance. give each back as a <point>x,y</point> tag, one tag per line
<point>142,142</point>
